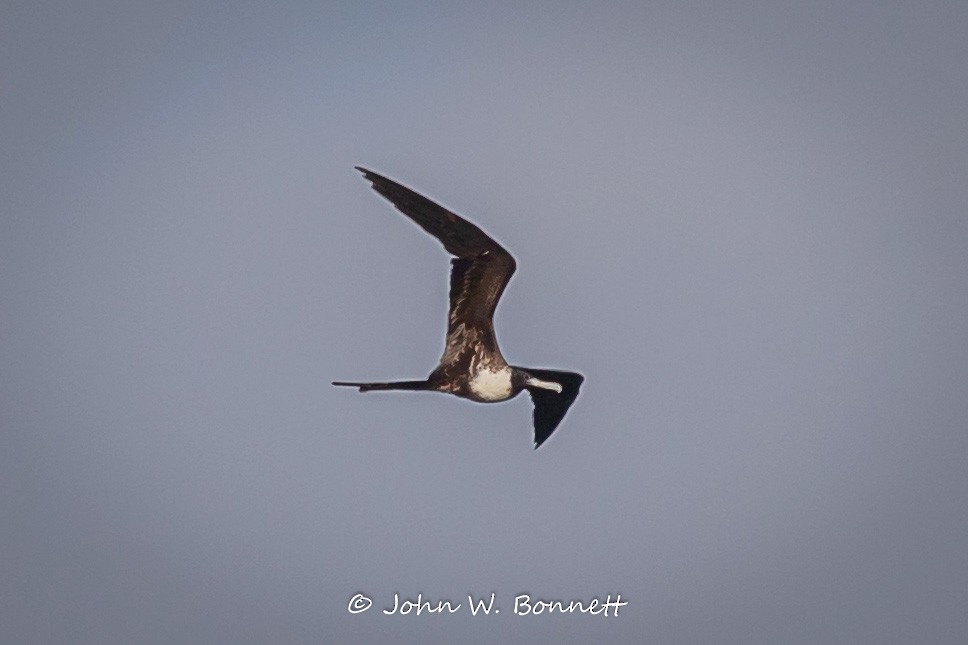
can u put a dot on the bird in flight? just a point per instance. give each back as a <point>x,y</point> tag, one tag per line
<point>472,366</point>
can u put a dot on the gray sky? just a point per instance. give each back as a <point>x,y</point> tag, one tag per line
<point>745,223</point>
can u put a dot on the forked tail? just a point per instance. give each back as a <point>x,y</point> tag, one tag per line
<point>395,385</point>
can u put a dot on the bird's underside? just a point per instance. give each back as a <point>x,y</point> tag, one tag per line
<point>472,366</point>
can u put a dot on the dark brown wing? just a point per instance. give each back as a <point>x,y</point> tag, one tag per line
<point>459,237</point>
<point>479,273</point>
<point>476,284</point>
<point>550,407</point>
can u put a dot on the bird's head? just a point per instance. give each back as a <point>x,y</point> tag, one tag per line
<point>522,379</point>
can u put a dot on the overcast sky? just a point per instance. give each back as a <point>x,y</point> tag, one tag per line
<point>745,223</point>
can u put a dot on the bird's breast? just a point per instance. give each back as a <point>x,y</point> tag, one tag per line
<point>491,385</point>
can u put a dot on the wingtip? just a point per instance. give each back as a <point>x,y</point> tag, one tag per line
<point>363,170</point>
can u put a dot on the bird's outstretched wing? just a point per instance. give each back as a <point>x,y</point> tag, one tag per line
<point>479,272</point>
<point>550,406</point>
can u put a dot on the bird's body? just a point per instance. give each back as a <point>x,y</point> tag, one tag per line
<point>490,385</point>
<point>472,366</point>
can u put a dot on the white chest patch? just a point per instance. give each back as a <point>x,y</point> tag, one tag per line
<point>491,386</point>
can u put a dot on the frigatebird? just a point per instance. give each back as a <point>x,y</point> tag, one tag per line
<point>472,366</point>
